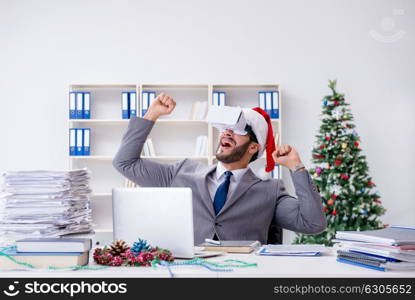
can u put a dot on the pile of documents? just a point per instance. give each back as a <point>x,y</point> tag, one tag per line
<point>391,248</point>
<point>292,250</point>
<point>44,204</point>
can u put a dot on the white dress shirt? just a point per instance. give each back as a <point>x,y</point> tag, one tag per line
<point>216,178</point>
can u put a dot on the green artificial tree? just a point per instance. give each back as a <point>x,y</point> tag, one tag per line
<point>341,174</point>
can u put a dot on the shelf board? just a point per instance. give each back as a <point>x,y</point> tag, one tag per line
<point>125,121</point>
<point>110,85</point>
<point>259,85</point>
<point>105,157</point>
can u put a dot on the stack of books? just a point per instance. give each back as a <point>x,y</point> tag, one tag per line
<point>391,248</point>
<point>44,204</point>
<point>47,252</point>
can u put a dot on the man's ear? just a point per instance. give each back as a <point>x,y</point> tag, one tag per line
<point>254,147</point>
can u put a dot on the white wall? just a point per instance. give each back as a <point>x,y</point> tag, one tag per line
<point>45,45</point>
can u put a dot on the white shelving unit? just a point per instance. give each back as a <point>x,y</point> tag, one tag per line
<point>173,136</point>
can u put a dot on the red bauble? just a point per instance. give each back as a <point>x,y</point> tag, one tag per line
<point>334,196</point>
<point>336,102</point>
<point>327,138</point>
<point>318,156</point>
<point>356,144</point>
<point>322,147</point>
<point>325,209</point>
<point>334,212</point>
<point>371,183</point>
<point>377,201</point>
<point>337,162</point>
<point>330,202</point>
<point>344,176</point>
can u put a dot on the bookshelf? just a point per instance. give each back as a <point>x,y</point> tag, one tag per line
<point>174,136</point>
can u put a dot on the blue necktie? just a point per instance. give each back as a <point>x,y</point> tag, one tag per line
<point>221,193</point>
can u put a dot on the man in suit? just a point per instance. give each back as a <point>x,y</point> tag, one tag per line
<point>229,201</point>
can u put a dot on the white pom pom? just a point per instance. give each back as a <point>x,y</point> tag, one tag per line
<point>261,174</point>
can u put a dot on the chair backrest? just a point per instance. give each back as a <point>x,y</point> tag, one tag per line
<point>274,233</point>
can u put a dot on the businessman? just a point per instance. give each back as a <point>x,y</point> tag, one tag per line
<point>229,201</point>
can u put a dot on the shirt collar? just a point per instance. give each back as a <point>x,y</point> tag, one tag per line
<point>237,174</point>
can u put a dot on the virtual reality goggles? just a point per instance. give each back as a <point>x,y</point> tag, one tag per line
<point>227,117</point>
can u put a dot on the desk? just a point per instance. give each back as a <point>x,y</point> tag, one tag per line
<point>272,267</point>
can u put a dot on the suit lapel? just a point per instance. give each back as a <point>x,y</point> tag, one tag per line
<point>201,183</point>
<point>247,180</point>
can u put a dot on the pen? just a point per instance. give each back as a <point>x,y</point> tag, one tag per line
<point>209,241</point>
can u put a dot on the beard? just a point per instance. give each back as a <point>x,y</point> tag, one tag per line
<point>236,155</point>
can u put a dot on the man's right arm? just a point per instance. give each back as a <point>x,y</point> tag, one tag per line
<point>128,161</point>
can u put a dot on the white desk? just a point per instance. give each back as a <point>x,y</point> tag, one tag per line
<point>273,267</point>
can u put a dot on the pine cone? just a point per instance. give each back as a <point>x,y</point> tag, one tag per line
<point>118,247</point>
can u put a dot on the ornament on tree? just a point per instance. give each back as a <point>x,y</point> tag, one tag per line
<point>322,146</point>
<point>339,157</point>
<point>118,247</point>
<point>337,162</point>
<point>344,146</point>
<point>327,138</point>
<point>318,171</point>
<point>344,176</point>
<point>356,144</point>
<point>334,196</point>
<point>330,202</point>
<point>334,212</point>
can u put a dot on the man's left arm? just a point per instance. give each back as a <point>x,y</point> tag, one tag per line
<point>302,214</point>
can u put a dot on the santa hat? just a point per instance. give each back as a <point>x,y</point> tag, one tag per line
<point>260,123</point>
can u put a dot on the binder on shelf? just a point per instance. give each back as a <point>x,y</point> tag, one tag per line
<point>72,141</point>
<point>268,103</point>
<point>144,103</point>
<point>86,105</point>
<point>86,141</point>
<point>275,174</point>
<point>275,105</point>
<point>222,96</point>
<point>215,99</point>
<point>125,105</point>
<point>79,141</point>
<point>218,98</point>
<point>79,105</point>
<point>132,104</point>
<point>72,105</point>
<point>261,100</point>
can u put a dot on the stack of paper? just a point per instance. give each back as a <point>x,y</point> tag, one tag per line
<point>44,204</point>
<point>292,250</point>
<point>391,248</point>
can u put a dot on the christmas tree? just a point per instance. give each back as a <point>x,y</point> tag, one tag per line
<point>341,174</point>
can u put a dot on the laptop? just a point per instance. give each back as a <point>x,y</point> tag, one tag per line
<point>162,216</point>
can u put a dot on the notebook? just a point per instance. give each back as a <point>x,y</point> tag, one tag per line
<point>232,246</point>
<point>292,250</point>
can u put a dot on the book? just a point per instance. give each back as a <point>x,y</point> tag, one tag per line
<point>43,259</point>
<point>392,235</point>
<point>232,246</point>
<point>53,245</point>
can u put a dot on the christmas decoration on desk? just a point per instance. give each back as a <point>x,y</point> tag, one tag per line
<point>141,254</point>
<point>345,183</point>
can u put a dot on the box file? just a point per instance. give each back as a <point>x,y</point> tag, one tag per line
<point>79,142</point>
<point>222,98</point>
<point>215,99</point>
<point>72,141</point>
<point>86,105</point>
<point>86,141</point>
<point>72,105</point>
<point>125,105</point>
<point>261,100</point>
<point>79,105</point>
<point>132,104</point>
<point>268,103</point>
<point>275,105</point>
<point>144,103</point>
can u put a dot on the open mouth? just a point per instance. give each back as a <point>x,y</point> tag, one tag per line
<point>227,143</point>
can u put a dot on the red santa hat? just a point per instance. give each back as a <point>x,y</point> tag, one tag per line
<point>260,123</point>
